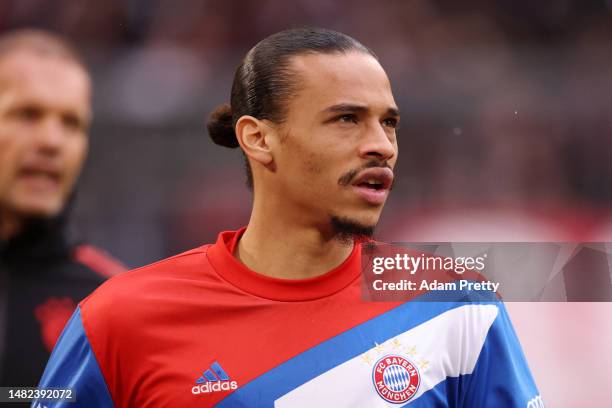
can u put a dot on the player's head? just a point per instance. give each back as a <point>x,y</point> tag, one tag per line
<point>44,114</point>
<point>313,111</point>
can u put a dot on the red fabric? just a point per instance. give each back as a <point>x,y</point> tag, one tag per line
<point>53,315</point>
<point>98,261</point>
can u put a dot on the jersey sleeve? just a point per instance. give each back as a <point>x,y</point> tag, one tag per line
<point>501,377</point>
<point>73,365</point>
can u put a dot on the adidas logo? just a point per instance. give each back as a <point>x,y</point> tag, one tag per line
<point>214,379</point>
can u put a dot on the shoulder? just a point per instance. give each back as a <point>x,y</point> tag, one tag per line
<point>139,278</point>
<point>124,310</point>
<point>97,260</point>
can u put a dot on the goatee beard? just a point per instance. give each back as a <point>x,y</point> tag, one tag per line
<point>348,231</point>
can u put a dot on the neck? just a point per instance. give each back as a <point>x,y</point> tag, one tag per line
<point>282,245</point>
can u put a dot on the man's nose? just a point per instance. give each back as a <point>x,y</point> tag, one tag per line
<point>50,135</point>
<point>377,144</point>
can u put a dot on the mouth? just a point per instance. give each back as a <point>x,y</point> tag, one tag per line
<point>373,184</point>
<point>41,178</point>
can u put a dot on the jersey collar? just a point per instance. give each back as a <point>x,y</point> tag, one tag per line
<point>232,270</point>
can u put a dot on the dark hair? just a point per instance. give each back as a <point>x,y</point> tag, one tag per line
<point>263,82</point>
<point>40,42</point>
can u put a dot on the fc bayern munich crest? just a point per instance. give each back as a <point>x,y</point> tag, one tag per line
<point>395,378</point>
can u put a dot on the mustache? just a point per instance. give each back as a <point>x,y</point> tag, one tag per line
<point>348,177</point>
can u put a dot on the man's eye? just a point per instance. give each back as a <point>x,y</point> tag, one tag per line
<point>391,122</point>
<point>73,122</point>
<point>28,113</point>
<point>348,118</point>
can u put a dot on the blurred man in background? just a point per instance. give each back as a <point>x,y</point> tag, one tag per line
<point>45,112</point>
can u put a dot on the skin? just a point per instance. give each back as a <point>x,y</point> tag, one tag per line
<point>44,115</point>
<point>342,117</point>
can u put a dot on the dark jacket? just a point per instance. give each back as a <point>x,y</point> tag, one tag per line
<point>42,278</point>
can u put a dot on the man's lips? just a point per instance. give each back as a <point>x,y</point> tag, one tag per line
<point>40,176</point>
<point>373,184</point>
<point>379,177</point>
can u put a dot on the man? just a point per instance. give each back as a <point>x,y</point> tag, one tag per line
<point>45,111</point>
<point>270,315</point>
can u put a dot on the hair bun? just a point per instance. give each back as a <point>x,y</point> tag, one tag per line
<point>221,127</point>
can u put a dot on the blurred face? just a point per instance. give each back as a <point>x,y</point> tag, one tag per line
<point>338,150</point>
<point>44,114</point>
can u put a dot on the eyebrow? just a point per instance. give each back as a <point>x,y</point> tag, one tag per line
<point>352,108</point>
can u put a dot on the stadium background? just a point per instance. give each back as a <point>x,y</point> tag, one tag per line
<point>505,135</point>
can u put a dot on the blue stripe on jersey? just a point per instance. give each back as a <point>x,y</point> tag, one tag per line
<point>490,384</point>
<point>73,365</point>
<point>265,389</point>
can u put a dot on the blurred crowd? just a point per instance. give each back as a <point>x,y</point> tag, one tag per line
<point>505,105</point>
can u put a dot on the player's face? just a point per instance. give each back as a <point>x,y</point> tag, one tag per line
<point>44,114</point>
<point>340,147</point>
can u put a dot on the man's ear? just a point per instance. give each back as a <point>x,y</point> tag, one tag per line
<point>254,138</point>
